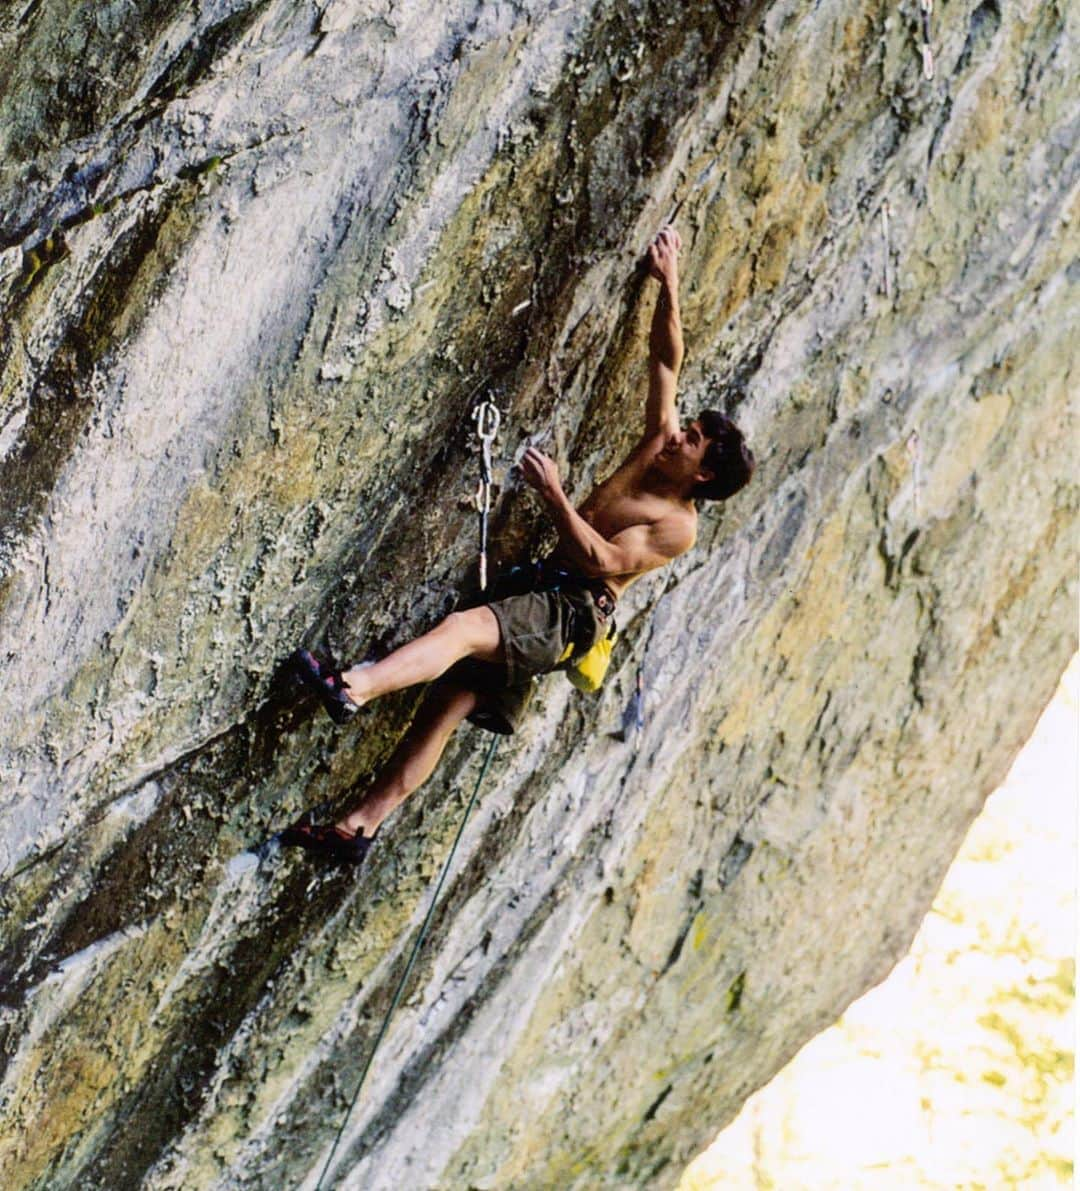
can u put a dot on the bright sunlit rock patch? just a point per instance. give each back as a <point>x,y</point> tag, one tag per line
<point>956,1071</point>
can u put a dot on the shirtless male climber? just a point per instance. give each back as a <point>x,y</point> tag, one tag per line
<point>485,658</point>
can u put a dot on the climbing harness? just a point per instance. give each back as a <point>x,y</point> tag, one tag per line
<point>487,418</point>
<point>926,7</point>
<point>587,670</point>
<point>412,960</point>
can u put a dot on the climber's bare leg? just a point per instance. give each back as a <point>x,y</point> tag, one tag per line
<point>414,759</point>
<point>474,633</point>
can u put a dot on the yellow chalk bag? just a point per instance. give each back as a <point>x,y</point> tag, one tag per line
<point>588,672</point>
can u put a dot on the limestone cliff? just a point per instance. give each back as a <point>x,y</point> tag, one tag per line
<point>257,259</point>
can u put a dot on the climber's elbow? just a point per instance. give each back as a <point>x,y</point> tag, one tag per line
<point>605,562</point>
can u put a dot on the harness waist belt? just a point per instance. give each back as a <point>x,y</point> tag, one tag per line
<point>548,576</point>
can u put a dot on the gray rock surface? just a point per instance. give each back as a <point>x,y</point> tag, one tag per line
<point>256,262</point>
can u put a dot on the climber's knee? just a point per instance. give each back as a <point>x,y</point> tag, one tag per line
<point>448,704</point>
<point>476,633</point>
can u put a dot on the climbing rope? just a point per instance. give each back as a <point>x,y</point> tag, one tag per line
<point>412,960</point>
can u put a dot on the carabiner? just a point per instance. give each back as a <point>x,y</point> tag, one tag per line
<point>487,418</point>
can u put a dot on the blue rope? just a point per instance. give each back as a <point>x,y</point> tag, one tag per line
<point>412,960</point>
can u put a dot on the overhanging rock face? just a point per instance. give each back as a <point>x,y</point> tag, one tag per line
<point>257,262</point>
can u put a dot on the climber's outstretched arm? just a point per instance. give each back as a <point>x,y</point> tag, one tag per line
<point>665,337</point>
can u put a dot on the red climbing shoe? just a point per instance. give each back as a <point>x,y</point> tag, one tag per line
<point>326,840</point>
<point>326,682</point>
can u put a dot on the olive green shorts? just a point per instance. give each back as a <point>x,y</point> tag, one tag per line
<point>536,629</point>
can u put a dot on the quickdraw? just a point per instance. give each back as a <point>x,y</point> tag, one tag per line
<point>886,249</point>
<point>487,418</point>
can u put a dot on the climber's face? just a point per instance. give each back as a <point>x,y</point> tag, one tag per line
<point>682,456</point>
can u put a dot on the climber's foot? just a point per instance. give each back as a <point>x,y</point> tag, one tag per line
<point>326,682</point>
<point>326,839</point>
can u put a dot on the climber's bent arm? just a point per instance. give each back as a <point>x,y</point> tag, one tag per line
<point>632,552</point>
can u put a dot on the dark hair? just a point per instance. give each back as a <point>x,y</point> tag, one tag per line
<point>727,456</point>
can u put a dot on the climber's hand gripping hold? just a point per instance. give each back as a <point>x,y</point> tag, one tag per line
<point>541,473</point>
<point>663,255</point>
